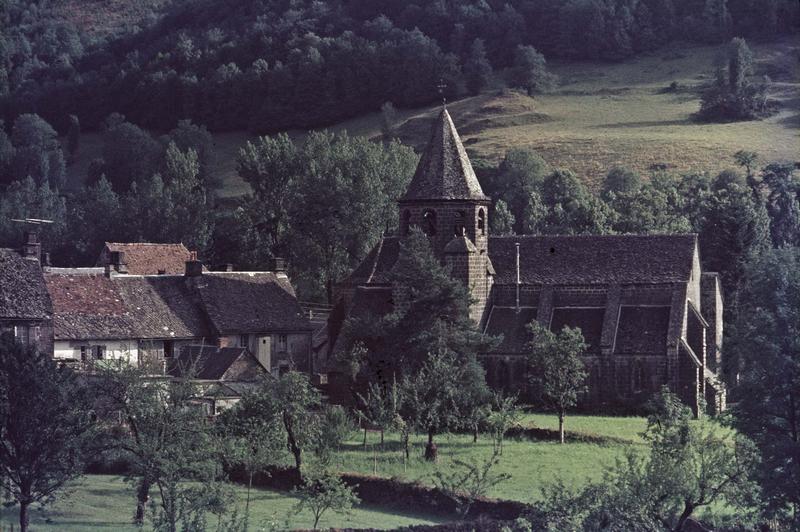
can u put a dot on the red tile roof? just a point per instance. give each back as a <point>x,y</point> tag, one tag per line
<point>144,258</point>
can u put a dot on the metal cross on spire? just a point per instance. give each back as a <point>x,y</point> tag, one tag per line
<point>442,86</point>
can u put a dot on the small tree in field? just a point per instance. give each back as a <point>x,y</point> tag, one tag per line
<point>322,491</point>
<point>379,408</point>
<point>558,374</point>
<point>253,435</point>
<point>45,425</point>
<point>467,480</point>
<point>430,398</point>
<point>503,415</point>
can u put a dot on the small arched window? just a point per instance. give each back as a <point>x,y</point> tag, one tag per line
<point>406,221</point>
<point>458,224</point>
<point>429,222</point>
<point>482,221</point>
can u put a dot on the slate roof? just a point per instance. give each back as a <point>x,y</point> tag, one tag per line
<point>94,306</point>
<point>23,294</point>
<point>444,171</point>
<point>642,330</point>
<point>88,306</point>
<point>564,260</point>
<point>375,267</point>
<point>512,326</point>
<point>593,259</point>
<point>163,307</point>
<point>235,302</point>
<point>589,320</point>
<point>144,258</point>
<point>205,362</point>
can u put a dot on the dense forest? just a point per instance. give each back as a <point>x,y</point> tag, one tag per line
<point>270,65</point>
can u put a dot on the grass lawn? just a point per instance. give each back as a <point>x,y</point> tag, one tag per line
<point>105,503</point>
<point>532,464</point>
<point>626,428</point>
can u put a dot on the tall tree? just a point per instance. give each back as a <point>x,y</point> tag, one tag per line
<point>45,426</point>
<point>25,199</point>
<point>783,203</point>
<point>477,69</point>
<point>37,152</point>
<point>558,374</point>
<point>130,155</point>
<point>431,397</point>
<point>271,166</point>
<point>343,198</point>
<point>73,137</point>
<point>296,399</point>
<point>167,440</point>
<point>517,183</point>
<point>570,208</point>
<point>95,217</point>
<point>431,312</point>
<point>764,352</point>
<point>253,436</point>
<point>529,71</point>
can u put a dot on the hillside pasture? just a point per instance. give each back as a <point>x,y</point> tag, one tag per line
<point>598,117</point>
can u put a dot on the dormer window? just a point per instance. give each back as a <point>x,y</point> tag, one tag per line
<point>429,222</point>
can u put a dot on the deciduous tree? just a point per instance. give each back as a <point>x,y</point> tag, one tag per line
<point>45,425</point>
<point>763,349</point>
<point>558,374</point>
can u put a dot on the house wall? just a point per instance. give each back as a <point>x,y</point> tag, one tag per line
<point>291,349</point>
<point>39,332</point>
<point>114,349</point>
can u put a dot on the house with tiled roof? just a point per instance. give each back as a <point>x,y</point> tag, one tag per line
<point>25,308</point>
<point>648,313</point>
<point>145,258</point>
<point>103,313</point>
<point>222,374</point>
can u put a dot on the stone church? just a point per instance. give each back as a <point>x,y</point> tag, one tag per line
<point>648,313</point>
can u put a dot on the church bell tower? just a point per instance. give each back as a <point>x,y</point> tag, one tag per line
<point>446,201</point>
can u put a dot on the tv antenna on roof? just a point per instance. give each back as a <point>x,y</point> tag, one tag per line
<point>31,221</point>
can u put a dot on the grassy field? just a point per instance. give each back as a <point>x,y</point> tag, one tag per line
<point>105,502</point>
<point>101,503</point>
<point>532,464</point>
<point>600,116</point>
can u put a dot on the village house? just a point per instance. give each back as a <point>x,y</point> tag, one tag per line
<point>222,374</point>
<point>25,308</point>
<point>109,313</point>
<point>648,312</point>
<point>145,258</point>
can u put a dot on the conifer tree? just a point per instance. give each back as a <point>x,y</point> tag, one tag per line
<point>477,69</point>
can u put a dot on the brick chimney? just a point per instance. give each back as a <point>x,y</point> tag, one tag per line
<point>277,264</point>
<point>194,267</point>
<point>118,262</point>
<point>32,247</point>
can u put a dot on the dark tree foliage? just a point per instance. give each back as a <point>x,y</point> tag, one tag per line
<point>270,66</point>
<point>732,95</point>
<point>45,426</point>
<point>431,313</point>
<point>763,351</point>
<point>477,69</point>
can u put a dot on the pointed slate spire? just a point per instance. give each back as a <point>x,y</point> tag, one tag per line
<point>444,171</point>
